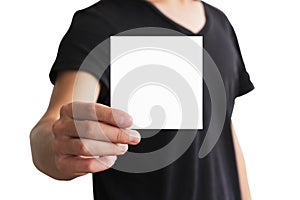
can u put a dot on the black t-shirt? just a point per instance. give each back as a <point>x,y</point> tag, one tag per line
<point>212,177</point>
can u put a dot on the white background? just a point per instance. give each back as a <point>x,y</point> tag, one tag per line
<point>266,120</point>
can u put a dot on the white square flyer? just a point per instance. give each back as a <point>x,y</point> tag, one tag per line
<point>158,80</point>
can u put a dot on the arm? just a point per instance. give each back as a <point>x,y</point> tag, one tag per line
<point>241,166</point>
<point>56,147</point>
<point>41,136</point>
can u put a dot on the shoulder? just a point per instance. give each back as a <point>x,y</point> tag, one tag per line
<point>95,19</point>
<point>215,11</point>
<point>94,13</point>
<point>106,8</point>
<point>217,16</point>
<point>104,13</point>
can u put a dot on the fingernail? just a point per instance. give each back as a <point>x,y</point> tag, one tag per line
<point>107,161</point>
<point>124,147</point>
<point>134,136</point>
<point>125,121</point>
<point>130,119</point>
<point>121,120</point>
<point>111,159</point>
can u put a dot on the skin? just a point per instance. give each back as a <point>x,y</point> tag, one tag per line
<point>63,152</point>
<point>241,166</point>
<point>187,13</point>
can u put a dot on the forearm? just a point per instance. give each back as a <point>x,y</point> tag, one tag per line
<point>242,173</point>
<point>41,138</point>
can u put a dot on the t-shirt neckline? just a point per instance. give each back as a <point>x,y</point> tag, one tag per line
<point>189,32</point>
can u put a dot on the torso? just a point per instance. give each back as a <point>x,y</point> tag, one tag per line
<point>192,17</point>
<point>212,177</point>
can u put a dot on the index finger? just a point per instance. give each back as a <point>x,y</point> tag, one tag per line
<point>97,112</point>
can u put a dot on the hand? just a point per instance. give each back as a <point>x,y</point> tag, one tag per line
<point>86,131</point>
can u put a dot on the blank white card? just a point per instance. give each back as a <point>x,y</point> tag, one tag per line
<point>158,80</point>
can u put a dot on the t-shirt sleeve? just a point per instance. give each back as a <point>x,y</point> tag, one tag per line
<point>243,81</point>
<point>84,47</point>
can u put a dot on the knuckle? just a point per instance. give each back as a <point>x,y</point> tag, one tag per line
<point>64,109</point>
<point>56,127</point>
<point>89,128</point>
<point>90,109</point>
<point>102,131</point>
<point>108,114</point>
<point>119,135</point>
<point>83,149</point>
